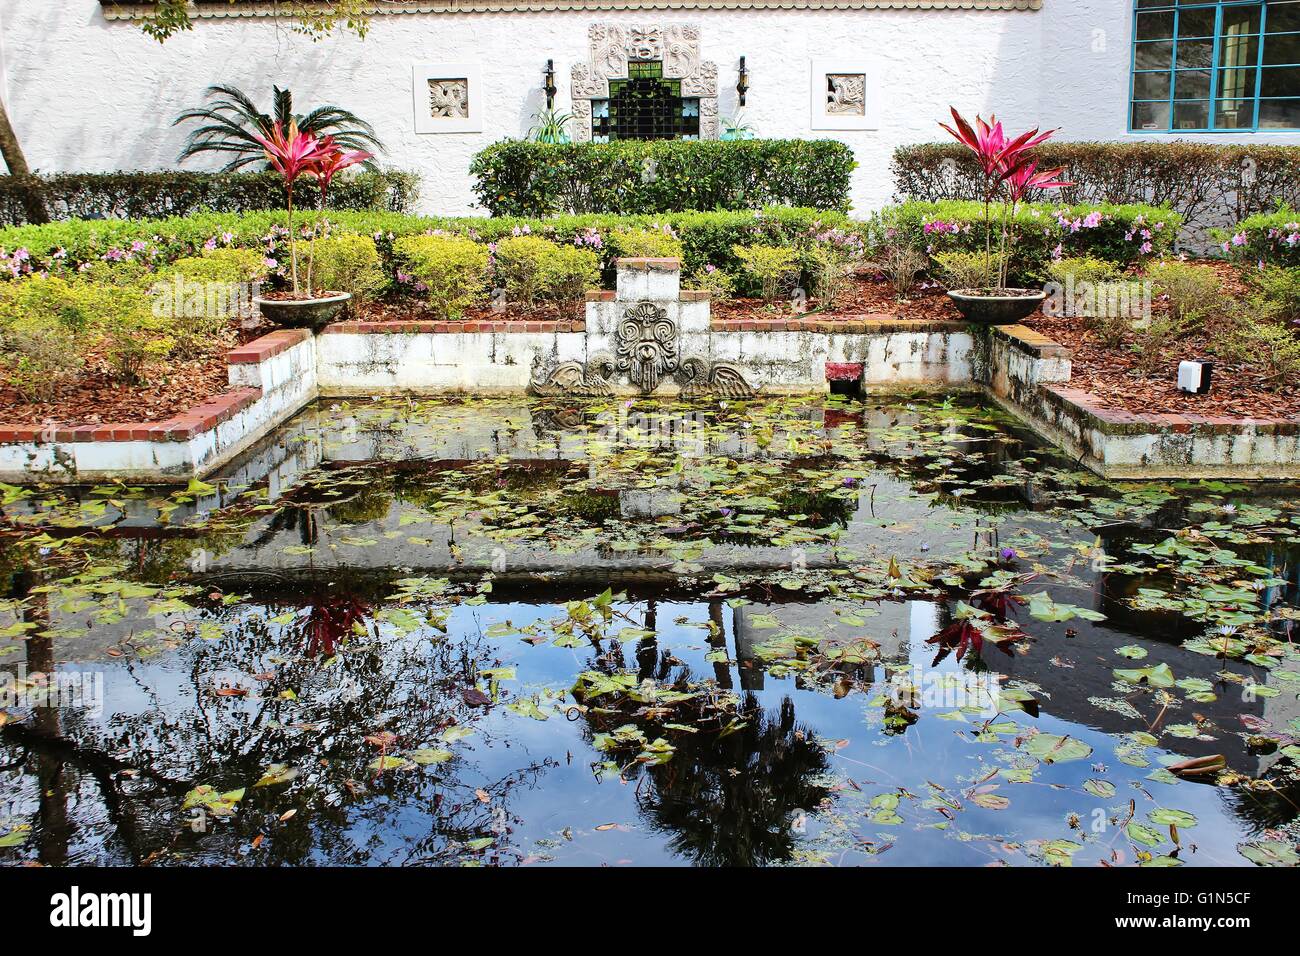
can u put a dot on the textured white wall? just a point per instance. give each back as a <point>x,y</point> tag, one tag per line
<point>88,94</point>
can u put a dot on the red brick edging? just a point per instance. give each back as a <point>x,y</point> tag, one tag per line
<point>261,349</point>
<point>193,421</point>
<point>1121,420</point>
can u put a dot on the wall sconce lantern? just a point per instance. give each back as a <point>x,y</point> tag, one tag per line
<point>549,86</point>
<point>742,82</point>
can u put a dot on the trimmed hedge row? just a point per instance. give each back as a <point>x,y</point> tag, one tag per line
<point>1208,184</point>
<point>706,237</point>
<point>1123,235</point>
<point>157,195</point>
<point>636,177</point>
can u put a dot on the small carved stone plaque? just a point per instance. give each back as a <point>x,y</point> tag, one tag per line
<point>846,94</point>
<point>449,98</point>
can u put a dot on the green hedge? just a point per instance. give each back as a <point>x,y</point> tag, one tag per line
<point>706,237</point>
<point>1208,184</point>
<point>635,177</point>
<point>1273,238</point>
<point>1123,235</point>
<point>145,195</point>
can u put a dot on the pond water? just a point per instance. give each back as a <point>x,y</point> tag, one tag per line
<point>787,632</point>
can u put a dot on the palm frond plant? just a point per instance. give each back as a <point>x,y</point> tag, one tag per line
<point>231,124</point>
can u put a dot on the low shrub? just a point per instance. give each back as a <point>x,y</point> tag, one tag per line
<point>653,243</point>
<point>451,271</point>
<point>1280,288</point>
<point>1271,348</point>
<point>1078,269</point>
<point>1194,292</point>
<point>719,284</point>
<point>1121,235</point>
<point>967,270</point>
<point>1271,238</point>
<point>515,178</point>
<point>221,265</point>
<point>565,275</point>
<point>347,262</point>
<point>774,269</point>
<point>519,266</point>
<point>830,259</point>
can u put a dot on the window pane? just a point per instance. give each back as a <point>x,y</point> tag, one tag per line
<point>1154,116</point>
<point>1151,86</point>
<point>1195,53</point>
<point>1234,114</point>
<point>1155,56</point>
<point>1238,51</point>
<point>1283,17</point>
<point>1284,48</point>
<point>1235,84</point>
<point>1192,85</point>
<point>1155,26</point>
<point>1279,114</point>
<point>1194,115</point>
<point>1281,81</point>
<point>1196,23</point>
<point>1239,20</point>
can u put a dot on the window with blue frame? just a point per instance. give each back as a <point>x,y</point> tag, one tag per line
<point>1215,67</point>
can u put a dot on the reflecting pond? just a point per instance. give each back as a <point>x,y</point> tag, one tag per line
<point>793,631</point>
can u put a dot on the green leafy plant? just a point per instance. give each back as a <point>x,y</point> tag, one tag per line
<point>565,275</point>
<point>231,124</point>
<point>1078,269</point>
<point>1271,348</point>
<point>452,270</point>
<point>551,126</point>
<point>968,270</point>
<point>656,243</point>
<point>1193,291</point>
<point>714,281</point>
<point>207,298</point>
<point>519,266</point>
<point>775,269</point>
<point>347,262</point>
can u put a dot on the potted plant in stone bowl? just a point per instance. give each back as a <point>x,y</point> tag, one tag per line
<point>1009,174</point>
<point>296,154</point>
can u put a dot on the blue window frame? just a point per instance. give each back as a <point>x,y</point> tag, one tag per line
<point>1207,67</point>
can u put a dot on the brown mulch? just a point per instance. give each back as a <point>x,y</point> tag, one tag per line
<point>93,398</point>
<point>413,310</point>
<point>1114,378</point>
<point>865,295</point>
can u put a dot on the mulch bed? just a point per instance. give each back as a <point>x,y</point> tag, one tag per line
<point>1113,377</point>
<point>413,310</point>
<point>93,398</point>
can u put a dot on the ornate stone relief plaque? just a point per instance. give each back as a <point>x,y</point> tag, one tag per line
<point>845,95</point>
<point>447,98</point>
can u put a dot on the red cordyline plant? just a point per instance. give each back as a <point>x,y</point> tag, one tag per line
<point>1003,162</point>
<point>294,154</point>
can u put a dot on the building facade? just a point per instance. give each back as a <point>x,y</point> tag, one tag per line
<point>88,91</point>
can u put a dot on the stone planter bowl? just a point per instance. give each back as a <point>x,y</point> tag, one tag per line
<point>1007,308</point>
<point>312,314</point>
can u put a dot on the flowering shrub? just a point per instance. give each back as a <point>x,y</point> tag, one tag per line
<point>1122,235</point>
<point>1269,238</point>
<point>450,270</point>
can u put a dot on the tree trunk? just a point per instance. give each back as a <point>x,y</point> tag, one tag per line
<point>12,151</point>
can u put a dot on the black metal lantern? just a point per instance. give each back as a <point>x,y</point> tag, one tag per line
<point>742,82</point>
<point>549,87</point>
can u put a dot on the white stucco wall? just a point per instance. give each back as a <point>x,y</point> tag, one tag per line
<point>89,94</point>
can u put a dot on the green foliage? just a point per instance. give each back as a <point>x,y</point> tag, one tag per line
<point>1271,348</point>
<point>1079,269</point>
<point>551,126</point>
<point>654,243</point>
<point>1204,182</point>
<point>829,262</point>
<point>519,266</point>
<point>1280,289</point>
<point>203,292</point>
<point>719,284</point>
<point>565,275</point>
<point>1272,237</point>
<point>1121,235</point>
<point>1194,292</point>
<point>145,195</point>
<point>774,268</point>
<point>654,176</point>
<point>968,270</point>
<point>452,269</point>
<point>221,265</point>
<point>348,262</point>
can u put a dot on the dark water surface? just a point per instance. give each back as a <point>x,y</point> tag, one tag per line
<point>793,631</point>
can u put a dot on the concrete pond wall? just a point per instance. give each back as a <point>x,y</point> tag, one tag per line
<point>651,337</point>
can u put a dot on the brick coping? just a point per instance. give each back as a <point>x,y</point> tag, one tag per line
<point>196,420</point>
<point>865,323</point>
<point>1118,421</point>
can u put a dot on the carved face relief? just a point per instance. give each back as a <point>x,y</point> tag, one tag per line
<point>449,98</point>
<point>846,94</point>
<point>646,43</point>
<point>646,345</point>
